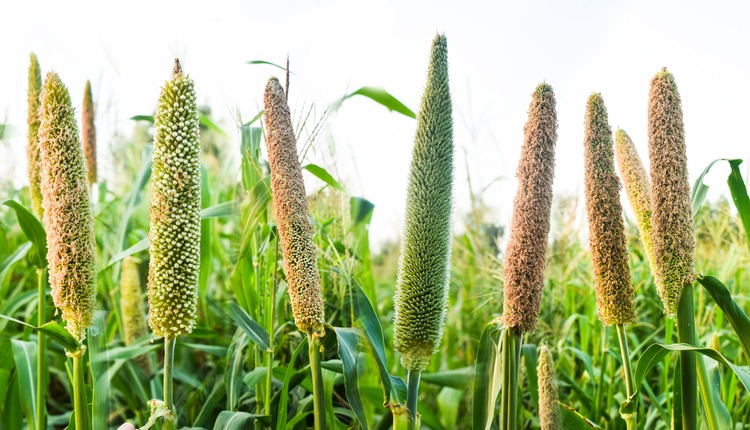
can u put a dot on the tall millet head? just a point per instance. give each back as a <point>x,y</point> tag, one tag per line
<point>88,133</point>
<point>637,187</point>
<point>33,153</point>
<point>424,265</point>
<point>292,216</point>
<point>614,291</point>
<point>550,414</point>
<point>526,253</point>
<point>67,209</point>
<point>175,230</point>
<point>672,217</point>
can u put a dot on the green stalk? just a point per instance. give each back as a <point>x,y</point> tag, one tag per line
<point>630,419</point>
<point>79,391</point>
<point>686,334</point>
<point>412,396</point>
<point>317,380</point>
<point>41,366</point>
<point>511,351</point>
<point>169,343</point>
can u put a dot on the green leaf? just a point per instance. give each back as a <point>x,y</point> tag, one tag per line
<point>253,377</point>
<point>267,63</point>
<point>25,357</point>
<point>126,352</point>
<point>655,353</point>
<point>134,198</point>
<point>393,386</point>
<point>14,258</point>
<point>206,122</point>
<point>487,376</point>
<point>739,196</point>
<point>147,118</point>
<point>348,340</point>
<point>211,402</point>
<point>228,420</point>
<point>234,376</point>
<point>737,317</point>
<point>572,420</point>
<point>383,97</point>
<point>530,355</point>
<point>324,176</point>
<point>220,210</point>
<point>454,378</point>
<point>254,331</point>
<point>281,416</point>
<point>33,230</point>
<point>54,331</point>
<point>138,247</point>
<point>700,190</point>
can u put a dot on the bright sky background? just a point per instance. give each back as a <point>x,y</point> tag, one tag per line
<point>498,53</point>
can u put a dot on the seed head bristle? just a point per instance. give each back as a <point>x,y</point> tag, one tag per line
<point>292,216</point>
<point>424,264</point>
<point>672,210</point>
<point>33,154</point>
<point>88,134</point>
<point>67,209</point>
<point>526,252</point>
<point>637,187</point>
<point>550,414</point>
<point>614,291</point>
<point>175,229</point>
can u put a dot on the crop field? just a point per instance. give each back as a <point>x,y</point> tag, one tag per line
<point>180,292</point>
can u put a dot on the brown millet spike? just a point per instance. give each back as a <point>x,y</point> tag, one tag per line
<point>290,206</point>
<point>88,134</point>
<point>637,187</point>
<point>614,291</point>
<point>672,218</point>
<point>67,209</point>
<point>526,253</point>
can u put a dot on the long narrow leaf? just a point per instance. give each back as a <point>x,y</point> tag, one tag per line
<point>33,230</point>
<point>737,317</point>
<point>348,340</point>
<point>254,331</point>
<point>739,196</point>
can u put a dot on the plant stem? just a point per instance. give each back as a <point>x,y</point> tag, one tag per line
<point>169,344</point>
<point>511,356</point>
<point>412,395</point>
<point>317,380</point>
<point>630,419</point>
<point>79,391</point>
<point>686,334</point>
<point>41,367</point>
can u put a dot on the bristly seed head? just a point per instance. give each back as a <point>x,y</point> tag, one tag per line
<point>67,209</point>
<point>292,216</point>
<point>175,230</point>
<point>614,291</point>
<point>526,252</point>
<point>550,414</point>
<point>33,153</point>
<point>88,134</point>
<point>424,265</point>
<point>672,219</point>
<point>132,307</point>
<point>637,187</point>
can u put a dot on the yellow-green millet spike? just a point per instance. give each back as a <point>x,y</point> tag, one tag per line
<point>526,253</point>
<point>424,265</point>
<point>67,209</point>
<point>292,216</point>
<point>614,290</point>
<point>637,188</point>
<point>672,216</point>
<point>88,134</point>
<point>33,153</point>
<point>132,307</point>
<point>550,414</point>
<point>175,229</point>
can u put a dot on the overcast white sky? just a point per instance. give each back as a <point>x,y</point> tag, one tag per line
<point>498,53</point>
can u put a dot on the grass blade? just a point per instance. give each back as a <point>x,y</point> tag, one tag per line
<point>254,331</point>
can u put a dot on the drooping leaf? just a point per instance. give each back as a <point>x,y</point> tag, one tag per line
<point>254,331</point>
<point>737,317</point>
<point>53,330</point>
<point>383,97</point>
<point>33,230</point>
<point>324,176</point>
<point>25,357</point>
<point>739,196</point>
<point>487,376</point>
<point>347,341</point>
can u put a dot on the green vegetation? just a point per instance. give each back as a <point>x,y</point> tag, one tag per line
<point>496,326</point>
